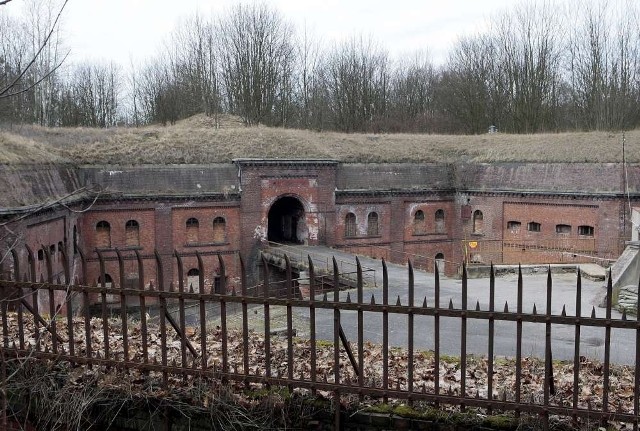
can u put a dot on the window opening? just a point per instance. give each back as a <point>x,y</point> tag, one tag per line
<point>585,230</point>
<point>372,224</point>
<point>103,234</point>
<point>418,222</point>
<point>193,227</point>
<point>439,221</point>
<point>132,233</point>
<point>478,221</point>
<point>219,227</point>
<point>350,225</point>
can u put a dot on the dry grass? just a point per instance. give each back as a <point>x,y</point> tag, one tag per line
<point>196,140</point>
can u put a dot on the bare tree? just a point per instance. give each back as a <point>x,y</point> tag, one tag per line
<point>357,73</point>
<point>37,60</point>
<point>257,55</point>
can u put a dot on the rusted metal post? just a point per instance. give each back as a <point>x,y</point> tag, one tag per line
<point>463,338</point>
<point>312,323</point>
<point>490,354</point>
<point>123,307</point>
<point>410,319</point>
<point>576,349</point>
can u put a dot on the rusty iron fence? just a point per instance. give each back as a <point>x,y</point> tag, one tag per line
<point>57,337</point>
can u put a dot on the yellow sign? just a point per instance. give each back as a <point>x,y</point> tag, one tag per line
<point>473,244</point>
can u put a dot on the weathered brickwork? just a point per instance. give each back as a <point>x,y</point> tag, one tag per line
<point>431,214</point>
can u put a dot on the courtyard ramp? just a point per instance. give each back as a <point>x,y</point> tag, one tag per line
<point>322,258</point>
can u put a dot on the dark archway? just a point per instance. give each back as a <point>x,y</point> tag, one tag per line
<point>286,221</point>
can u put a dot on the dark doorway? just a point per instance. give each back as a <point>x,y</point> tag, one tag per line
<point>286,221</point>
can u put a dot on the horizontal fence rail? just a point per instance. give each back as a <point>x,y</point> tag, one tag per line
<point>178,331</point>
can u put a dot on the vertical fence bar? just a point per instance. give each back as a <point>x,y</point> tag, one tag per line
<point>385,330</point>
<point>607,346</point>
<point>548,372</point>
<point>636,383</point>
<point>463,338</point>
<point>143,308</point>
<point>203,308</point>
<point>183,335</point>
<point>4,302</point>
<point>312,322</point>
<point>68,301</point>
<point>410,319</point>
<point>16,277</point>
<point>103,301</point>
<point>123,307</point>
<point>490,354</point>
<point>360,299</point>
<point>519,341</point>
<point>245,319</point>
<point>267,320</point>
<point>52,300</point>
<point>576,349</point>
<point>163,317</point>
<point>34,292</point>
<point>223,317</point>
<point>336,341</point>
<point>85,305</point>
<point>3,377</point>
<point>289,289</point>
<point>436,331</point>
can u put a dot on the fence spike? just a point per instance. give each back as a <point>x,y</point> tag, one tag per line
<point>235,368</point>
<point>477,394</point>
<point>593,312</point>
<point>534,311</point>
<point>324,297</point>
<point>233,291</point>
<point>477,305</point>
<point>564,311</point>
<point>324,378</point>
<point>624,314</point>
<point>301,377</point>
<point>171,287</point>
<point>504,395</point>
<point>450,304</point>
<point>398,301</point>
<point>424,303</point>
<point>373,300</point>
<point>424,388</point>
<point>151,286</point>
<point>506,307</point>
<point>191,288</point>
<point>348,298</point>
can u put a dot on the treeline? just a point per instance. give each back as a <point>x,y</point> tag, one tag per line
<point>540,66</point>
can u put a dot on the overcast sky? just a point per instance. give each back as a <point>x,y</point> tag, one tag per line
<point>123,29</point>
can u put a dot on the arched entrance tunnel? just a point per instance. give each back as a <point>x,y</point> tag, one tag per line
<point>286,221</point>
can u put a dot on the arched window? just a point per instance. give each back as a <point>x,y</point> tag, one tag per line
<point>585,230</point>
<point>219,230</point>
<point>108,281</point>
<point>513,226</point>
<point>478,221</point>
<point>132,234</point>
<point>103,234</point>
<point>439,219</point>
<point>418,223</point>
<point>350,225</point>
<point>440,262</point>
<point>193,279</point>
<point>192,230</point>
<point>372,224</point>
